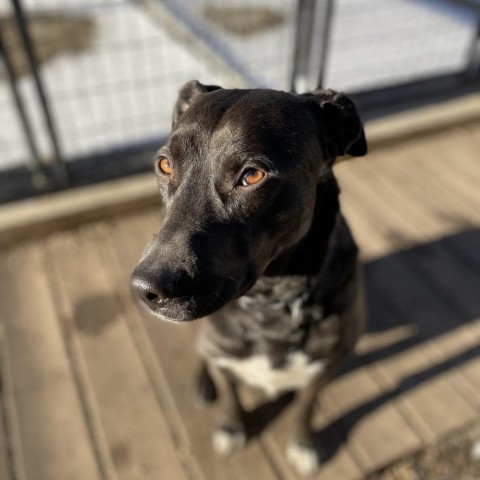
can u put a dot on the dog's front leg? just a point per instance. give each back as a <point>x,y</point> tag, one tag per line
<point>302,453</point>
<point>229,433</point>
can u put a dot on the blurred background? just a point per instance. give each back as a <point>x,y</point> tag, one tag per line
<point>87,86</point>
<point>92,388</point>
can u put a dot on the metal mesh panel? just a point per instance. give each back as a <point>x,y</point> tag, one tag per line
<point>256,37</point>
<point>110,72</point>
<point>112,68</point>
<point>13,148</point>
<point>377,43</point>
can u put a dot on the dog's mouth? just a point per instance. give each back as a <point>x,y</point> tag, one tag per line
<point>184,308</point>
<point>191,307</point>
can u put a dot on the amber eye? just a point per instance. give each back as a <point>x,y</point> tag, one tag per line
<point>163,164</point>
<point>252,176</point>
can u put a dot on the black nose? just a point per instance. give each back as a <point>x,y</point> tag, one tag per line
<point>152,289</point>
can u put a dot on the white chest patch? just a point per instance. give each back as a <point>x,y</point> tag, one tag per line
<point>257,371</point>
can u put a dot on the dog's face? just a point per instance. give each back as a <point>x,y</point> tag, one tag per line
<point>238,179</point>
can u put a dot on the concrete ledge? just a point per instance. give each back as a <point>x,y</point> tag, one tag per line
<point>423,121</point>
<point>41,215</point>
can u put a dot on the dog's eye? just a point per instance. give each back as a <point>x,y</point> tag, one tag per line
<point>252,176</point>
<point>163,165</point>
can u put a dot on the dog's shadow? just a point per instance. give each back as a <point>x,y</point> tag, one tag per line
<point>258,419</point>
<point>433,288</point>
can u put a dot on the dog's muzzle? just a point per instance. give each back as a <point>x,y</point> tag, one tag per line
<point>175,296</point>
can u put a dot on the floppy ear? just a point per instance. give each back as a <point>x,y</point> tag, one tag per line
<point>186,95</point>
<point>341,125</point>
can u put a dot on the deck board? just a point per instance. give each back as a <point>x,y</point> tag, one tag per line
<point>5,470</point>
<point>337,459</point>
<point>94,388</point>
<point>52,431</point>
<point>138,436</point>
<point>6,440</point>
<point>376,429</point>
<point>413,226</point>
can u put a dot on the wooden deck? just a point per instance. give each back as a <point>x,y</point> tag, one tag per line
<point>91,389</point>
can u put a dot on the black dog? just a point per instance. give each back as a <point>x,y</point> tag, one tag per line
<point>253,237</point>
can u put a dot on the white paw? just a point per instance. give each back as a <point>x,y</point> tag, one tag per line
<point>304,460</point>
<point>225,442</point>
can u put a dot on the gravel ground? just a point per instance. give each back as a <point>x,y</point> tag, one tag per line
<point>456,457</point>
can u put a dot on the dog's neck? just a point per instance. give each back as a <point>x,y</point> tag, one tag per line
<point>307,256</point>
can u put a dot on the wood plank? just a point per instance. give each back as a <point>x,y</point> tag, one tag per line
<point>456,281</point>
<point>465,142</point>
<point>11,420</point>
<point>370,246</point>
<point>367,195</point>
<point>416,367</point>
<point>375,427</point>
<point>401,213</point>
<point>137,433</point>
<point>54,440</point>
<point>5,471</point>
<point>471,371</point>
<point>417,218</point>
<point>395,367</point>
<point>6,467</point>
<point>463,145</point>
<point>433,195</point>
<point>427,166</point>
<point>439,164</point>
<point>430,193</point>
<point>417,375</point>
<point>173,345</point>
<point>337,461</point>
<point>440,260</point>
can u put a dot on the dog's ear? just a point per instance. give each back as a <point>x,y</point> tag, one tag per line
<point>341,125</point>
<point>186,95</point>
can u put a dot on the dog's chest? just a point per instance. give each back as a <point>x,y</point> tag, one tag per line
<point>257,371</point>
<point>271,323</point>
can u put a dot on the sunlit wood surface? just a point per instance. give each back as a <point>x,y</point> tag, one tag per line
<point>92,389</point>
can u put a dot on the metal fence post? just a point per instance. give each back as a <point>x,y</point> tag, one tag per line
<point>311,44</point>
<point>303,43</point>
<point>60,170</point>
<point>473,68</point>
<point>321,38</point>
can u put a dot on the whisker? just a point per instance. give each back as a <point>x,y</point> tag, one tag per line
<point>219,296</point>
<point>232,278</point>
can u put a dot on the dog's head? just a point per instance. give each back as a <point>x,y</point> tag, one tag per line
<point>238,177</point>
